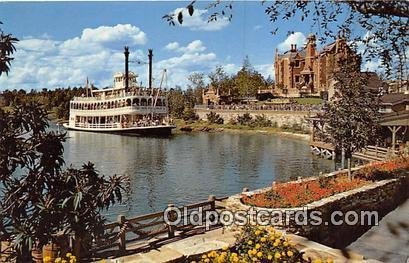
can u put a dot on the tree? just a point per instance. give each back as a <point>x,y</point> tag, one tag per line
<point>214,118</point>
<point>197,84</point>
<point>247,80</point>
<point>176,102</point>
<point>385,24</point>
<point>7,48</point>
<point>219,79</point>
<point>40,198</point>
<point>352,118</point>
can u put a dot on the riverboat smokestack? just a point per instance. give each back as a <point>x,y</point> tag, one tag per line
<point>150,56</point>
<point>126,68</point>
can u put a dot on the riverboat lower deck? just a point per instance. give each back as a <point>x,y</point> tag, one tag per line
<point>157,130</point>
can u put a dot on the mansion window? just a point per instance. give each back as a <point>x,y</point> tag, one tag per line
<point>297,63</point>
<point>297,79</point>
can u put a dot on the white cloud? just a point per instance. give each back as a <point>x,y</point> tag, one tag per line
<point>297,38</point>
<point>199,20</point>
<point>193,47</point>
<point>46,63</point>
<point>231,68</point>
<point>172,46</point>
<point>266,70</point>
<point>106,34</point>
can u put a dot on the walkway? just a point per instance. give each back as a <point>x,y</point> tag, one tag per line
<point>188,249</point>
<point>388,242</point>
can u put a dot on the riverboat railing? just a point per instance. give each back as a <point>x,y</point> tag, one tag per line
<point>132,107</point>
<point>117,125</point>
<point>142,94</point>
<point>265,107</point>
<point>98,126</point>
<point>150,230</point>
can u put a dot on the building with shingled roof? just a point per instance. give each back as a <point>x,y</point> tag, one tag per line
<point>307,71</point>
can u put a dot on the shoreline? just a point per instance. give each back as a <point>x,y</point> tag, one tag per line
<point>201,126</point>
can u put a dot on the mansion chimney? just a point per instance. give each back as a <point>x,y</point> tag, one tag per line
<point>150,56</point>
<point>126,68</point>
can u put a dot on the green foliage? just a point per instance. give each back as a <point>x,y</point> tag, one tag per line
<point>7,48</point>
<point>197,85</point>
<point>63,111</point>
<point>244,119</point>
<point>247,80</point>
<point>215,118</point>
<point>262,121</point>
<point>385,21</point>
<point>221,80</point>
<point>40,198</point>
<point>176,102</point>
<point>353,117</point>
<point>189,114</point>
<point>58,98</point>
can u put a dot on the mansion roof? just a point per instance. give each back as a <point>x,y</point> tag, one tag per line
<point>291,54</point>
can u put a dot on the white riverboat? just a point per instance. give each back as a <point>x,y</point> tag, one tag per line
<point>124,108</point>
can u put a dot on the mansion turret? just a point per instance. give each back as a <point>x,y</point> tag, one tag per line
<point>308,71</point>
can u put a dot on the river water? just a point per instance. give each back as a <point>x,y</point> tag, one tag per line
<point>188,168</point>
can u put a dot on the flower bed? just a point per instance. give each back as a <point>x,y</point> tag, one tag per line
<point>259,244</point>
<point>296,194</point>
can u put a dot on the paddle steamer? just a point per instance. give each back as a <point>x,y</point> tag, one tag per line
<point>124,108</point>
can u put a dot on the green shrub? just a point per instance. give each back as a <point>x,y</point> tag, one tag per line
<point>261,121</point>
<point>189,114</point>
<point>213,117</point>
<point>245,119</point>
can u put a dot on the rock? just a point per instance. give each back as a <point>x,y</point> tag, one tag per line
<point>186,128</point>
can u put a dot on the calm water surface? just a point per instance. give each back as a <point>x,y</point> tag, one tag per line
<point>188,168</point>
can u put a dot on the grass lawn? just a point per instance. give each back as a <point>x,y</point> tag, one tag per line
<point>202,125</point>
<point>6,108</point>
<point>308,101</point>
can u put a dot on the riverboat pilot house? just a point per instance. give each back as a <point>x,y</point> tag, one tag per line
<point>308,71</point>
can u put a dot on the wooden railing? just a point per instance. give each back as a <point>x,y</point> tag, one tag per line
<point>146,231</point>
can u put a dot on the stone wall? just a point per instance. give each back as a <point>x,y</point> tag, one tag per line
<point>382,197</point>
<point>279,118</point>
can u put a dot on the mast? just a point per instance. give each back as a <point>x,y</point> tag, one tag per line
<point>126,52</point>
<point>150,56</point>
<point>86,87</point>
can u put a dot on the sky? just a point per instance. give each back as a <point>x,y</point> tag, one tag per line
<point>64,43</point>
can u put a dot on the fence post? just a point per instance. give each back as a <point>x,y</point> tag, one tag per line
<point>212,199</point>
<point>122,236</point>
<point>171,228</point>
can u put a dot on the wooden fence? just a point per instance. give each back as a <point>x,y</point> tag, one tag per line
<point>128,235</point>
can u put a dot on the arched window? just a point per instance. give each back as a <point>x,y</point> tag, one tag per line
<point>128,102</point>
<point>143,102</point>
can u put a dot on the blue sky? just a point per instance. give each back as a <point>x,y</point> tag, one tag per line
<point>64,43</point>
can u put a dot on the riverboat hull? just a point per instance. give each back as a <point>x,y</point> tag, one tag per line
<point>160,130</point>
